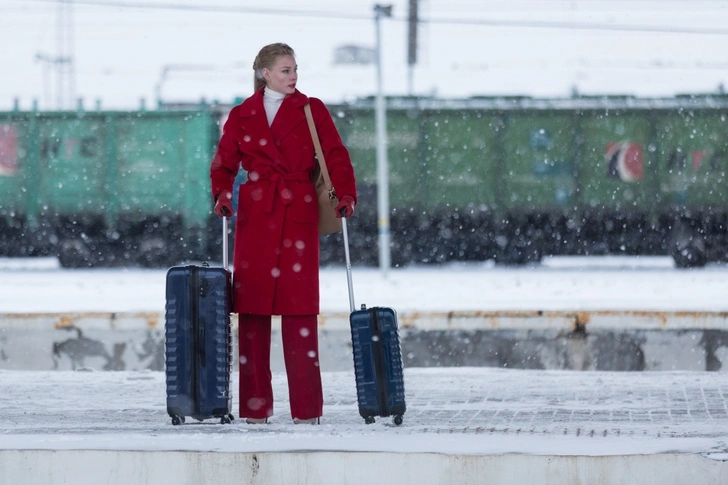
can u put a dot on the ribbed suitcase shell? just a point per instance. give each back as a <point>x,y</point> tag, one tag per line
<point>198,343</point>
<point>378,365</point>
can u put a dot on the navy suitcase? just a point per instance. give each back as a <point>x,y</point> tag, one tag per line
<point>198,341</point>
<point>378,368</point>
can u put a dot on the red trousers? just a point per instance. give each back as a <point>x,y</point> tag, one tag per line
<point>301,355</point>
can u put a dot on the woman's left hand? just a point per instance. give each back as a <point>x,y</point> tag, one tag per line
<point>347,204</point>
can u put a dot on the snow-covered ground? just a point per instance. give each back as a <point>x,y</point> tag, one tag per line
<point>452,410</point>
<point>455,410</point>
<point>471,425</point>
<point>568,283</point>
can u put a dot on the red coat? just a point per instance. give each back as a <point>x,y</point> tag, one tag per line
<point>276,255</point>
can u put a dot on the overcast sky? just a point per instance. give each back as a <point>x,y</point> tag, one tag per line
<point>121,48</point>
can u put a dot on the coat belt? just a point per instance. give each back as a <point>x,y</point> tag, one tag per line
<point>277,184</point>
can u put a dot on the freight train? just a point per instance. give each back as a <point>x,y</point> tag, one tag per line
<point>106,188</point>
<point>509,179</point>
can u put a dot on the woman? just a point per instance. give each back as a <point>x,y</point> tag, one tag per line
<point>276,255</point>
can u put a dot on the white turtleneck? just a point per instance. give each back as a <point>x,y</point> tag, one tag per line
<point>272,101</point>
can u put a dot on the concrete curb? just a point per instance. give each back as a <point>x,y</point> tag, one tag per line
<point>426,321</point>
<point>88,467</point>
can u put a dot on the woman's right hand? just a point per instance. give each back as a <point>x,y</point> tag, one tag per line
<point>224,204</point>
<point>345,207</point>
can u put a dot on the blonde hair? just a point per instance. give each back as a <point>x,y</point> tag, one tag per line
<point>266,58</point>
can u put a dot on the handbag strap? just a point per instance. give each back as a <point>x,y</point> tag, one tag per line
<point>317,146</point>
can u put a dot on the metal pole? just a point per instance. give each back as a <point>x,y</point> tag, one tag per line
<point>345,230</point>
<point>410,80</point>
<point>382,162</point>
<point>60,53</point>
<point>71,66</point>
<point>225,262</point>
<point>413,20</point>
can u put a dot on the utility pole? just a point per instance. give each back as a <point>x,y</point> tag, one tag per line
<point>65,72</point>
<point>382,163</point>
<point>412,23</point>
<point>61,64</point>
<point>48,65</point>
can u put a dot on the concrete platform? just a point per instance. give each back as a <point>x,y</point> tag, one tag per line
<point>483,424</point>
<point>463,425</point>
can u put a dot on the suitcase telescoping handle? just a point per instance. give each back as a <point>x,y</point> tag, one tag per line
<point>348,262</point>
<point>225,242</point>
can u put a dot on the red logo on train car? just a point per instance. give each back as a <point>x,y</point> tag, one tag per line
<point>697,159</point>
<point>624,161</point>
<point>8,150</point>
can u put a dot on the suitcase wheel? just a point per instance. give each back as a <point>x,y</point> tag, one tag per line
<point>397,419</point>
<point>177,420</point>
<point>369,420</point>
<point>227,419</point>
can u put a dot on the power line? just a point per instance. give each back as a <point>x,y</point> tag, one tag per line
<point>452,21</point>
<point>214,9</point>
<point>580,26</point>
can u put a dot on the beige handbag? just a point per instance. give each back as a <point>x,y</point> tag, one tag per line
<point>327,200</point>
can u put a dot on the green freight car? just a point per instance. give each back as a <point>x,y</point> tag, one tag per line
<point>514,179</point>
<point>509,179</point>
<point>106,188</point>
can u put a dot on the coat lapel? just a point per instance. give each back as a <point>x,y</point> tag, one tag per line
<point>255,124</point>
<point>289,115</point>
